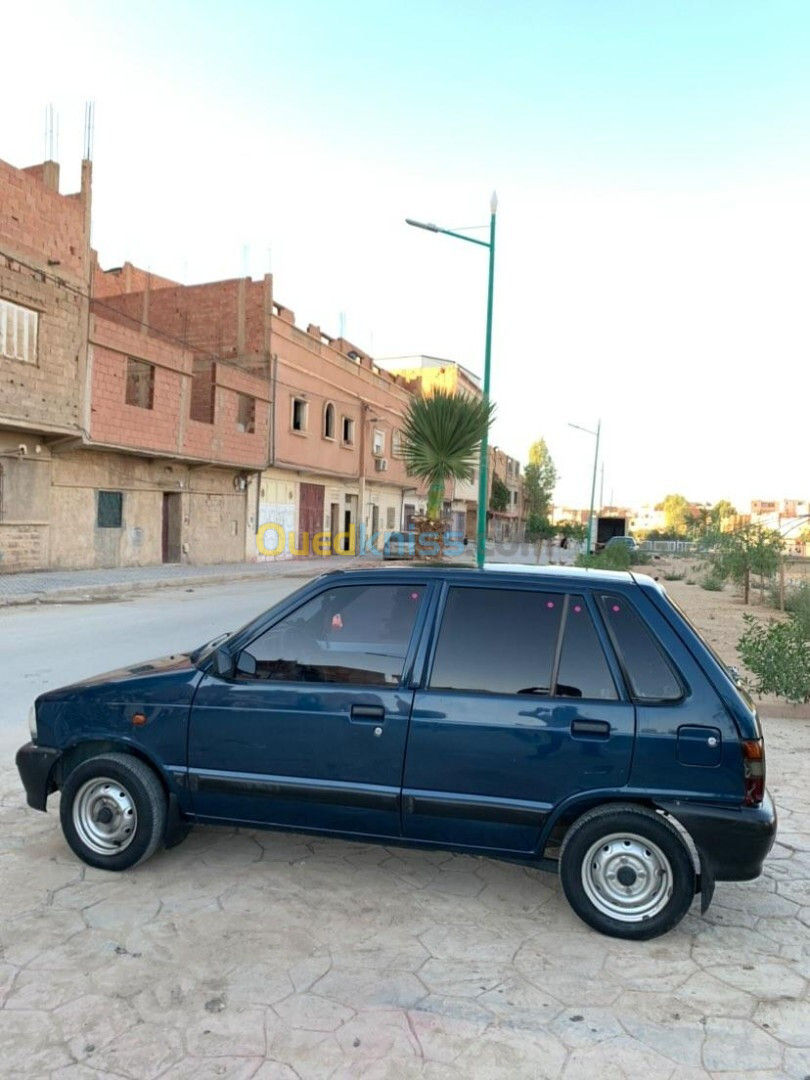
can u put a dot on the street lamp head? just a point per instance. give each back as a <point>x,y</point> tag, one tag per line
<point>422,225</point>
<point>493,202</point>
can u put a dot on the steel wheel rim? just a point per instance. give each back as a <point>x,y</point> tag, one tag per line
<point>104,816</point>
<point>627,877</point>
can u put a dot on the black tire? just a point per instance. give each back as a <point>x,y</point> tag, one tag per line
<point>659,875</point>
<point>113,811</point>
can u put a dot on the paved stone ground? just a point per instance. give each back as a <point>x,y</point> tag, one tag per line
<point>257,955</point>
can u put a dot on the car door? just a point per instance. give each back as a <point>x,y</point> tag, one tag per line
<point>310,732</point>
<point>522,707</point>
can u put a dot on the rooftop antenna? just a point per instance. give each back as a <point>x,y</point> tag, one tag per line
<point>89,129</point>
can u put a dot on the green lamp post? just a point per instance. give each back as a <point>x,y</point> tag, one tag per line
<point>593,480</point>
<point>481,539</point>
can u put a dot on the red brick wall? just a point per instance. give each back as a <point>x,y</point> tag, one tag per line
<point>167,426</point>
<point>222,441</point>
<point>38,222</point>
<point>126,279</point>
<point>114,422</point>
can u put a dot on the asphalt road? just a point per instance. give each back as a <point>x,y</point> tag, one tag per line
<point>48,646</point>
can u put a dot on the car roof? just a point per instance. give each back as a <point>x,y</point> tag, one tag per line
<point>508,572</point>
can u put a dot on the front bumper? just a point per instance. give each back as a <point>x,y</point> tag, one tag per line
<point>733,843</point>
<point>35,765</point>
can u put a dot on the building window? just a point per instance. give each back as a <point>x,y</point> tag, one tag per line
<point>140,383</point>
<point>110,509</point>
<point>299,414</point>
<point>329,421</point>
<point>378,443</point>
<point>18,332</point>
<point>347,434</point>
<point>245,413</point>
<point>203,392</point>
<point>396,443</point>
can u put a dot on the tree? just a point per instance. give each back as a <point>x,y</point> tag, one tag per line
<point>539,478</point>
<point>677,514</point>
<point>499,496</point>
<point>721,512</point>
<point>752,549</point>
<point>441,437</point>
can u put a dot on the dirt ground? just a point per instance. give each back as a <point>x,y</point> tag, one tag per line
<point>719,615</point>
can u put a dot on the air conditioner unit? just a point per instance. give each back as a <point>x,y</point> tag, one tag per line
<point>381,464</point>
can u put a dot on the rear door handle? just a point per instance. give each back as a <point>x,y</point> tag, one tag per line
<point>367,714</point>
<point>595,729</point>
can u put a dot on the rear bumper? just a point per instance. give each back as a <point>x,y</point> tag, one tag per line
<point>733,843</point>
<point>35,765</point>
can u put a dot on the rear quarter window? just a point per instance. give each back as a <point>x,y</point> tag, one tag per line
<point>648,670</point>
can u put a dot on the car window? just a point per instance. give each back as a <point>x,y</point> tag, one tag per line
<point>350,634</point>
<point>497,641</point>
<point>583,670</point>
<point>650,674</point>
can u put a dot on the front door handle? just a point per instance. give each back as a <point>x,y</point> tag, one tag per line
<point>594,729</point>
<point>367,714</point>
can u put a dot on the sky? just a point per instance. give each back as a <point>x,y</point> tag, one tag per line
<point>652,165</point>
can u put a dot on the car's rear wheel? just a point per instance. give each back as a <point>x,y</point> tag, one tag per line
<point>113,811</point>
<point>626,872</point>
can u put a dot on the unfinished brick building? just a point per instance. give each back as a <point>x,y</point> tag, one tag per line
<point>101,460</point>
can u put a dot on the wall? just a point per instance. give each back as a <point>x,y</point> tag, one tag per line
<point>168,426</point>
<point>213,511</point>
<point>125,279</point>
<point>49,232</point>
<point>40,225</point>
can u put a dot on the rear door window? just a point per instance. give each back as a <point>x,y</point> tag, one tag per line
<point>497,641</point>
<point>649,672</point>
<point>583,670</point>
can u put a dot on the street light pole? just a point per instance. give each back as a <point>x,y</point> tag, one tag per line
<point>483,464</point>
<point>593,480</point>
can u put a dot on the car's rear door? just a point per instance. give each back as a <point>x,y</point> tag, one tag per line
<point>315,736</point>
<point>522,706</point>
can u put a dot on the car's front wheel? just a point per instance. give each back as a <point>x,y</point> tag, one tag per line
<point>113,811</point>
<point>626,872</point>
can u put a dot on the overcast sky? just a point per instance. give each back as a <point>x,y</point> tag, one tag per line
<point>651,158</point>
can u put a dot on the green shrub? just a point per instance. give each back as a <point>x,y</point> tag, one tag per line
<point>797,603</point>
<point>690,581</point>
<point>712,582</point>
<point>672,576</point>
<point>778,655</point>
<point>613,558</point>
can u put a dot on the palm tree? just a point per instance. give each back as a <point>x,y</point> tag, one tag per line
<point>441,439</point>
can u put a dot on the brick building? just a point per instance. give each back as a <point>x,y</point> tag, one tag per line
<point>101,461</point>
<point>332,461</point>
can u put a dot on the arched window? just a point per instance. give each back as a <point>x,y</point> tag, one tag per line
<point>329,421</point>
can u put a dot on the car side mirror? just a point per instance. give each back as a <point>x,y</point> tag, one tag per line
<point>246,663</point>
<point>223,663</point>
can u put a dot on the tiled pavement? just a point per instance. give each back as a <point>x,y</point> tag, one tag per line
<point>259,956</point>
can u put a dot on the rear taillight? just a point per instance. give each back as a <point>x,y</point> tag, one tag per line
<point>753,752</point>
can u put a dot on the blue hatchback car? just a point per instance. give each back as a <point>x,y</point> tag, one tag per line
<point>571,719</point>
